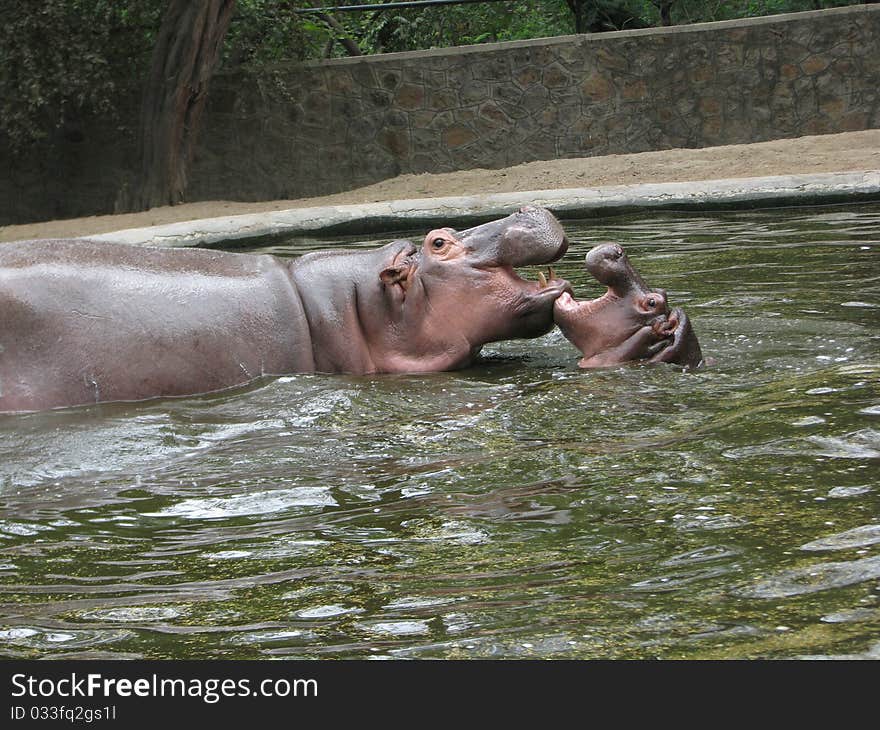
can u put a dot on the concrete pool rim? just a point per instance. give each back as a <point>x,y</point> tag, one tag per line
<point>462,211</point>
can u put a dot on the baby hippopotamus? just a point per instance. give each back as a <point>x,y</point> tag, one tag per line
<point>629,322</point>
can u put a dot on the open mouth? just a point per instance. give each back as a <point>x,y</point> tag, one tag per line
<point>542,292</point>
<point>543,282</point>
<point>567,305</point>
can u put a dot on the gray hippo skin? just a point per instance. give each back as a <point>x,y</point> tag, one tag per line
<point>629,322</point>
<point>86,322</point>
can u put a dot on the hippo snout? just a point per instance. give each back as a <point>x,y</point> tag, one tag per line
<point>604,260</point>
<point>535,236</point>
<point>609,265</point>
<point>530,236</point>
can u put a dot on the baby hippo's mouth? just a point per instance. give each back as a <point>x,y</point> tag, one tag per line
<point>566,307</point>
<point>627,322</point>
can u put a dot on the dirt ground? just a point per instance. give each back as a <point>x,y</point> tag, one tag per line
<point>846,152</point>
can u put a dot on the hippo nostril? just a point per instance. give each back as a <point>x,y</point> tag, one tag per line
<point>608,252</point>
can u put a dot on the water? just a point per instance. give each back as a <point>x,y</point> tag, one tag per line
<point>520,508</point>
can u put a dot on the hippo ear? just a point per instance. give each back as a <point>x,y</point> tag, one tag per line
<point>395,275</point>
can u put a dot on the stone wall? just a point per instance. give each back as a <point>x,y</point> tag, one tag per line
<point>325,127</point>
<point>341,124</point>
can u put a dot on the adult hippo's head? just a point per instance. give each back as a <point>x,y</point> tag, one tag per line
<point>409,308</point>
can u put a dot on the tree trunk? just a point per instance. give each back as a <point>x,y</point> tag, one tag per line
<point>584,12</point>
<point>665,8</point>
<point>184,57</point>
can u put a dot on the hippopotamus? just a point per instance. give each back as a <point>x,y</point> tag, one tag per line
<point>630,321</point>
<point>85,321</point>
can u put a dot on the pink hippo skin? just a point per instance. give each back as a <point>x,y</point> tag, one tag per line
<point>86,321</point>
<point>628,322</point>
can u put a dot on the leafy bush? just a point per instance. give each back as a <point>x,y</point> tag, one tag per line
<point>62,58</point>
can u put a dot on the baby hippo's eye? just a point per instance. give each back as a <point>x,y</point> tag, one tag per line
<point>656,301</point>
<point>438,243</point>
<point>652,304</point>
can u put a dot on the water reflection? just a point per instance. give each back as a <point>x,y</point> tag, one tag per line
<point>520,508</point>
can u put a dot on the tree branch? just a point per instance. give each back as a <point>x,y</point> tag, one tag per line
<point>351,48</point>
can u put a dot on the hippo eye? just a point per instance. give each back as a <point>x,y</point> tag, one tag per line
<point>438,243</point>
<point>652,302</point>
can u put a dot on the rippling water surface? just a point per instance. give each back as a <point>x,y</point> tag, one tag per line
<point>520,508</point>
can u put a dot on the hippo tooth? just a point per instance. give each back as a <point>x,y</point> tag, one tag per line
<point>541,280</point>
<point>551,272</point>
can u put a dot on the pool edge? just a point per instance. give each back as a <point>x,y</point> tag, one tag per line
<point>566,203</point>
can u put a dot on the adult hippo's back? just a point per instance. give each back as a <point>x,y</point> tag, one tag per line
<point>85,321</point>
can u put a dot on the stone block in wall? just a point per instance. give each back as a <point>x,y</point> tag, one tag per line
<point>364,128</point>
<point>410,96</point>
<point>495,67</point>
<point>457,135</point>
<point>363,75</point>
<point>535,99</point>
<point>494,115</point>
<point>390,78</point>
<point>378,99</point>
<point>555,77</point>
<point>395,142</point>
<point>526,76</point>
<point>598,87</point>
<point>442,99</point>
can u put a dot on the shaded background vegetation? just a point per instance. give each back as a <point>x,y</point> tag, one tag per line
<point>268,29</point>
<point>60,59</point>
<point>65,60</point>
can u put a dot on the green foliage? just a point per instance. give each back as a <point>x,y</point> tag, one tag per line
<point>267,31</point>
<point>702,11</point>
<point>455,25</point>
<point>61,58</point>
<point>385,31</point>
